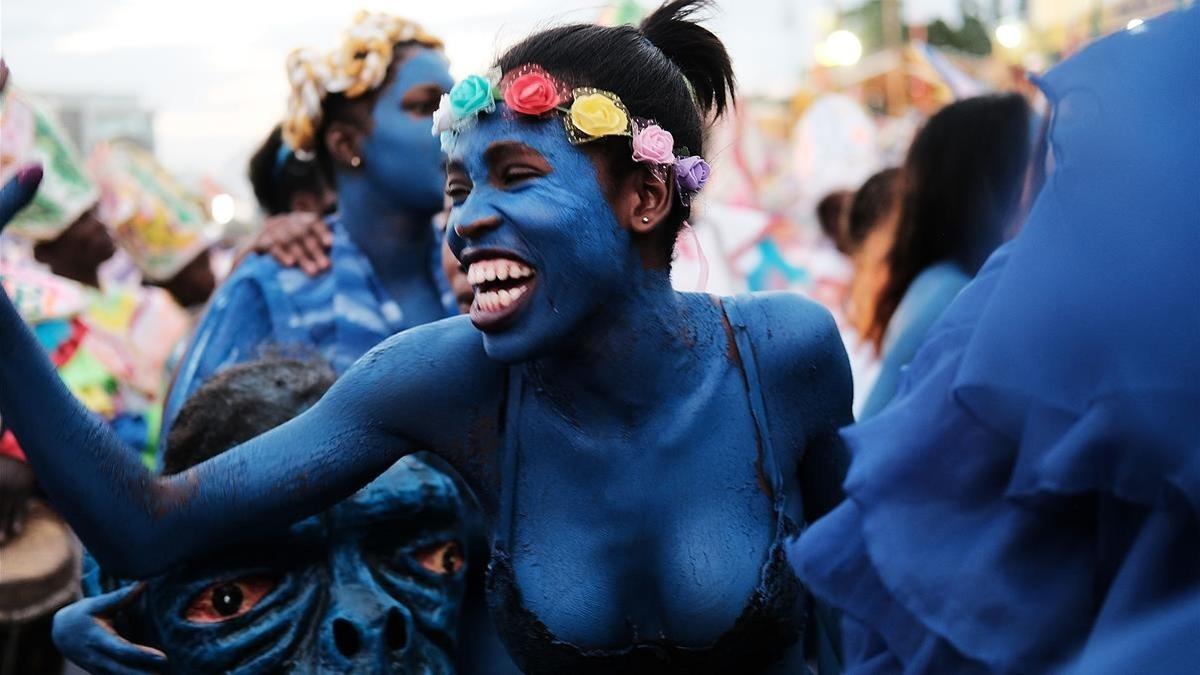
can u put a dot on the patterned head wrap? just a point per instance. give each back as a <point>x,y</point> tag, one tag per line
<point>28,134</point>
<point>356,67</point>
<point>156,221</point>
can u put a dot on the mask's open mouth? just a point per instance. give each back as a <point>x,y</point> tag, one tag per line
<point>502,286</point>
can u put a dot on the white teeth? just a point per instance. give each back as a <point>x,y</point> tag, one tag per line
<point>494,301</point>
<point>497,269</point>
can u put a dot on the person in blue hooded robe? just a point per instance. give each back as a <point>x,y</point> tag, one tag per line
<point>1031,499</point>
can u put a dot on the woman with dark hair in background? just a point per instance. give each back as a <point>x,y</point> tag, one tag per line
<point>644,454</point>
<point>284,183</point>
<point>870,225</point>
<point>296,196</point>
<point>831,217</point>
<point>963,180</point>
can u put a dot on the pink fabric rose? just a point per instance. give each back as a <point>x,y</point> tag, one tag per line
<point>531,94</point>
<point>654,145</point>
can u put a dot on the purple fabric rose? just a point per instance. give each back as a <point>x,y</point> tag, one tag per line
<point>691,173</point>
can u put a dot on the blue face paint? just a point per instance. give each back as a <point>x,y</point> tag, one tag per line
<point>556,222</point>
<point>400,156</point>
<point>372,585</point>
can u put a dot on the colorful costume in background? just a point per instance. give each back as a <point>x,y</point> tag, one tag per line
<point>158,223</point>
<point>110,345</point>
<point>1032,495</point>
<point>28,135</point>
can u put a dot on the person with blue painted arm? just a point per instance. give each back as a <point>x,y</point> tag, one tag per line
<point>962,185</point>
<point>368,127</point>
<point>643,454</point>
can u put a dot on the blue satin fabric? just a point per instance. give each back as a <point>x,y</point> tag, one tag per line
<point>340,314</point>
<point>1034,488</point>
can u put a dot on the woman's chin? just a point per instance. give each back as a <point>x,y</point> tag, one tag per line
<point>510,347</point>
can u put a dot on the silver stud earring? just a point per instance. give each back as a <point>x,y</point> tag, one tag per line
<point>355,161</point>
<point>645,219</point>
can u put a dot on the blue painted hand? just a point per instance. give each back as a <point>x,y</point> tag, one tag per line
<point>18,191</point>
<point>84,632</point>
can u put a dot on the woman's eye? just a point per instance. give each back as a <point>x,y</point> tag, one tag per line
<point>228,599</point>
<point>444,558</point>
<point>422,100</point>
<point>457,192</point>
<point>518,174</point>
<point>423,108</point>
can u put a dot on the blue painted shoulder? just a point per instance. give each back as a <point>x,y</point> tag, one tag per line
<point>801,358</point>
<point>794,334</point>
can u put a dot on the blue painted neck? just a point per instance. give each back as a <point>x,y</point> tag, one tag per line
<point>396,241</point>
<point>632,352</point>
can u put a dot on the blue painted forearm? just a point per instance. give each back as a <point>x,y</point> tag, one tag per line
<point>137,525</point>
<point>102,489</point>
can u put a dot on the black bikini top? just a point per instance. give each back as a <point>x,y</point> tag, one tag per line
<point>766,628</point>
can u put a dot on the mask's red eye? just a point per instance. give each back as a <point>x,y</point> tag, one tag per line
<point>228,599</point>
<point>444,558</point>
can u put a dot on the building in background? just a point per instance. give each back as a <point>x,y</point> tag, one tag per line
<point>91,118</point>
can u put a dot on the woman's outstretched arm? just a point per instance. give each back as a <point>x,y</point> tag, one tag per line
<point>407,393</point>
<point>138,524</point>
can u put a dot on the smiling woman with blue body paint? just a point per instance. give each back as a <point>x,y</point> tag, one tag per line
<point>643,454</point>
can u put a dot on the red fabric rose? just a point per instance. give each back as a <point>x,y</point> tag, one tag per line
<point>532,94</point>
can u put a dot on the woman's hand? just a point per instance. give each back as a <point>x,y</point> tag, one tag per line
<point>298,239</point>
<point>84,633</point>
<point>18,191</point>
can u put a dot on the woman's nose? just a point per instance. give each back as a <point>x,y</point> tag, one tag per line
<point>476,227</point>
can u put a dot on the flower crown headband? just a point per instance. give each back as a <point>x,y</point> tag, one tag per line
<point>587,114</point>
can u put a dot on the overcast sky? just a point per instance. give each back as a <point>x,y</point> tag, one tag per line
<point>212,70</point>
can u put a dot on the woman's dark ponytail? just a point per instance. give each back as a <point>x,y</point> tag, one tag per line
<point>695,50</point>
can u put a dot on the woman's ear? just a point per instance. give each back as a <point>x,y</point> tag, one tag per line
<point>344,142</point>
<point>644,202</point>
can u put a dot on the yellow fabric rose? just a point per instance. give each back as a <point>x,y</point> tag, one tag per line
<point>597,115</point>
